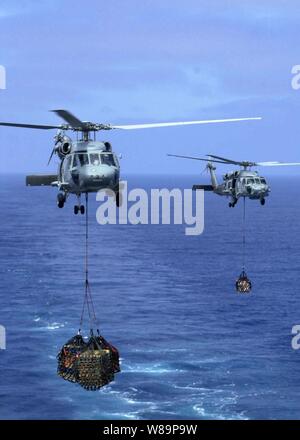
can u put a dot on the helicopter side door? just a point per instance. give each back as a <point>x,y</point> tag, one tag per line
<point>229,186</point>
<point>239,188</point>
<point>74,170</point>
<point>66,169</point>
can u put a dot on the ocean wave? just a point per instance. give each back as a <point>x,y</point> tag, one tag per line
<point>200,410</point>
<point>217,404</point>
<point>54,326</point>
<point>131,398</point>
<point>160,350</point>
<point>151,369</point>
<point>121,415</point>
<point>51,357</point>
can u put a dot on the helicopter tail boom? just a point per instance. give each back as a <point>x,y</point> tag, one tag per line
<point>204,187</point>
<point>214,182</point>
<point>41,180</point>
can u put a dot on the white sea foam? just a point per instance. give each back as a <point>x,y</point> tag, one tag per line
<point>151,369</point>
<point>132,415</point>
<point>51,357</point>
<point>55,326</point>
<point>131,399</point>
<point>160,350</point>
<point>201,411</point>
<point>191,388</point>
<point>213,406</point>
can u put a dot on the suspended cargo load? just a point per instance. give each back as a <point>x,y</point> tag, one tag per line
<point>95,366</point>
<point>67,358</point>
<point>114,353</point>
<point>91,364</point>
<point>243,284</point>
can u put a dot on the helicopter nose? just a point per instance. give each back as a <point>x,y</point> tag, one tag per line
<point>99,177</point>
<point>257,189</point>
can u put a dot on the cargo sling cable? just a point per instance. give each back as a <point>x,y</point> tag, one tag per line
<point>88,300</point>
<point>91,364</point>
<point>243,284</point>
<point>244,233</point>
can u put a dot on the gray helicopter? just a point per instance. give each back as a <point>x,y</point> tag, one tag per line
<point>240,183</point>
<point>87,165</point>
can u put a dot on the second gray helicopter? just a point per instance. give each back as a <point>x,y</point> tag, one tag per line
<point>239,183</point>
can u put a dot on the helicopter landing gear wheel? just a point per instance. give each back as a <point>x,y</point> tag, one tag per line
<point>61,199</point>
<point>79,208</point>
<point>262,201</point>
<point>230,205</point>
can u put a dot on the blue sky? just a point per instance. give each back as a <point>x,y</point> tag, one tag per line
<point>159,60</point>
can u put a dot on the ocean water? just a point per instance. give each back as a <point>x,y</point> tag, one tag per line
<point>191,347</point>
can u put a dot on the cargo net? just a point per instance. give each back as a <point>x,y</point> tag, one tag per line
<point>91,364</point>
<point>243,284</point>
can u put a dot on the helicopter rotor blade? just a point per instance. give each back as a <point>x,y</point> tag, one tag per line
<point>224,160</point>
<point>37,126</point>
<point>277,164</point>
<point>196,158</point>
<point>174,124</point>
<point>69,118</point>
<point>78,125</point>
<point>51,156</point>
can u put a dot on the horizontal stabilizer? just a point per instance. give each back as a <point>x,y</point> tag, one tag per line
<point>41,180</point>
<point>204,187</point>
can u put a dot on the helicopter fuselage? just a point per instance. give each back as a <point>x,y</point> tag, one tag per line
<point>86,166</point>
<point>243,183</point>
<point>89,167</point>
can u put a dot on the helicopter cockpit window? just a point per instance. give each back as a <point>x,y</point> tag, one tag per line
<point>81,159</point>
<point>250,181</point>
<point>108,159</point>
<point>257,180</point>
<point>263,180</point>
<point>94,159</point>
